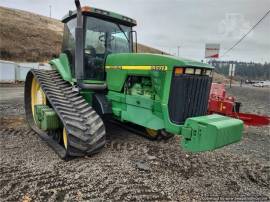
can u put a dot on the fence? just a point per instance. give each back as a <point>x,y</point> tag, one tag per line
<point>11,72</point>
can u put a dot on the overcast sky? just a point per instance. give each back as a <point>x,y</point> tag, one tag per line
<point>166,24</point>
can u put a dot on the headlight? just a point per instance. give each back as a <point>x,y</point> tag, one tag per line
<point>208,72</point>
<point>189,71</point>
<point>198,71</point>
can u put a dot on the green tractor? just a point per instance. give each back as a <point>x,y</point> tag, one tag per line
<point>98,77</point>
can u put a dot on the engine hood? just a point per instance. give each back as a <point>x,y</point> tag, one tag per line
<point>139,59</point>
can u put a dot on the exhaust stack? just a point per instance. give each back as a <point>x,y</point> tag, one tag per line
<point>79,36</point>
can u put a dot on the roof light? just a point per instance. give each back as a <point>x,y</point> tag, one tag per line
<point>102,11</point>
<point>86,9</point>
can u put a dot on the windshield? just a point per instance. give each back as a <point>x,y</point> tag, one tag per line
<point>107,37</point>
<point>103,38</point>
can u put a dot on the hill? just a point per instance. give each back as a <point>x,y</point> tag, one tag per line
<point>29,37</point>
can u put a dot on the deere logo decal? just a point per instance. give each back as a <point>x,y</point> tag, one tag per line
<point>113,67</point>
<point>152,67</point>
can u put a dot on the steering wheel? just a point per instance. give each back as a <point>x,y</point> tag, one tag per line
<point>102,38</point>
<point>91,51</point>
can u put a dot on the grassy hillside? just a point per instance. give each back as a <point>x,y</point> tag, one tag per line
<point>27,36</point>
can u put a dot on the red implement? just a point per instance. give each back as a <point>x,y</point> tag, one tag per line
<point>222,104</point>
<point>253,119</point>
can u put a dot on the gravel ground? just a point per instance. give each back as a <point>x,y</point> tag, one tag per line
<point>131,167</point>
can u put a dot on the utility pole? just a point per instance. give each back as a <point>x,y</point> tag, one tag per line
<point>178,50</point>
<point>231,72</point>
<point>50,11</point>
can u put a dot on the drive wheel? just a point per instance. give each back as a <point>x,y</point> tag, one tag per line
<point>65,138</point>
<point>151,133</point>
<point>158,134</point>
<point>37,96</point>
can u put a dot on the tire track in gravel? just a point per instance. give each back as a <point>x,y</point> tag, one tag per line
<point>29,166</point>
<point>18,179</point>
<point>18,175</point>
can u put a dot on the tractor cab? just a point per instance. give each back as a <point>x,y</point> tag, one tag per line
<point>101,33</point>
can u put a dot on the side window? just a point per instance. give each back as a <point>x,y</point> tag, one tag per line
<point>92,40</point>
<point>120,43</point>
<point>69,42</point>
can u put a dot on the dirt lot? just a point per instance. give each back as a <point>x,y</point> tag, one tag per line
<point>131,167</point>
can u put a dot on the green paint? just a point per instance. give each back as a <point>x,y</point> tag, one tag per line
<point>210,132</point>
<point>125,59</point>
<point>61,64</point>
<point>161,81</point>
<point>142,116</point>
<point>116,77</point>
<point>136,109</point>
<point>87,95</point>
<point>46,118</point>
<point>146,102</point>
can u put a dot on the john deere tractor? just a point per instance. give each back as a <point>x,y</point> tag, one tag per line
<point>98,76</point>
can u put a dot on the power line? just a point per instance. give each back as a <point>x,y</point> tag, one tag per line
<point>244,36</point>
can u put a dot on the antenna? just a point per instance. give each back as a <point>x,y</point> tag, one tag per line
<point>78,4</point>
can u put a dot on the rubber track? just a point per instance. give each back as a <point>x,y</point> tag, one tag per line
<point>86,130</point>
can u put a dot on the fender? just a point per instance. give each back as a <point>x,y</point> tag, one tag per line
<point>62,65</point>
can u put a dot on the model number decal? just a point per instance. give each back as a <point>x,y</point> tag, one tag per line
<point>159,68</point>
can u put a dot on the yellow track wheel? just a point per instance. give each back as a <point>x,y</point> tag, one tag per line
<point>37,96</point>
<point>65,141</point>
<point>151,132</point>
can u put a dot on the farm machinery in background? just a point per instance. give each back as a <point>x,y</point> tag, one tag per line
<point>220,103</point>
